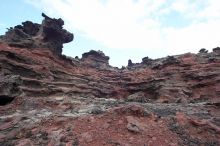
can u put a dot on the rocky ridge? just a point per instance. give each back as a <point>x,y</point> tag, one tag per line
<point>47,98</point>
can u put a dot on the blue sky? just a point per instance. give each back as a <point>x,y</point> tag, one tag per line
<point>125,29</point>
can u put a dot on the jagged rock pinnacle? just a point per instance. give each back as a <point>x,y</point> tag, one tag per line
<point>50,34</point>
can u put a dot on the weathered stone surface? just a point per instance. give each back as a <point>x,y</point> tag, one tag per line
<point>216,50</point>
<point>9,88</point>
<point>203,50</point>
<point>137,97</point>
<point>50,34</point>
<point>96,59</point>
<point>134,125</point>
<point>130,63</point>
<point>59,100</point>
<point>147,60</point>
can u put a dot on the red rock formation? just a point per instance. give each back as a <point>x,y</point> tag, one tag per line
<point>50,99</point>
<point>50,34</point>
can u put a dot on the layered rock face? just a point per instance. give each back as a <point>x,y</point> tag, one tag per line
<point>50,99</point>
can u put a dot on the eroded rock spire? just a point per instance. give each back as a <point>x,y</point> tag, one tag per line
<point>50,34</point>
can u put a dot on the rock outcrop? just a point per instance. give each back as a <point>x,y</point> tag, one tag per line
<point>96,59</point>
<point>147,60</point>
<point>50,99</point>
<point>50,34</point>
<point>216,50</point>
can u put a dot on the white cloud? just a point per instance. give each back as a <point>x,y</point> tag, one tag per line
<point>193,37</point>
<point>3,27</point>
<point>2,24</point>
<point>211,11</point>
<point>136,25</point>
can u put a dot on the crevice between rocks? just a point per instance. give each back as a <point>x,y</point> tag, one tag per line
<point>4,100</point>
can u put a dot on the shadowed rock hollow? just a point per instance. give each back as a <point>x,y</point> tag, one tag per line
<point>50,99</point>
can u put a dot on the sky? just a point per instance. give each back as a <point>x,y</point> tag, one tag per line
<point>125,29</point>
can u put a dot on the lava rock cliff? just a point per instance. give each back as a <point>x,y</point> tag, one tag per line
<point>47,98</point>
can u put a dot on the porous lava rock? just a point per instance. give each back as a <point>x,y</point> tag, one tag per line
<point>50,34</point>
<point>96,58</point>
